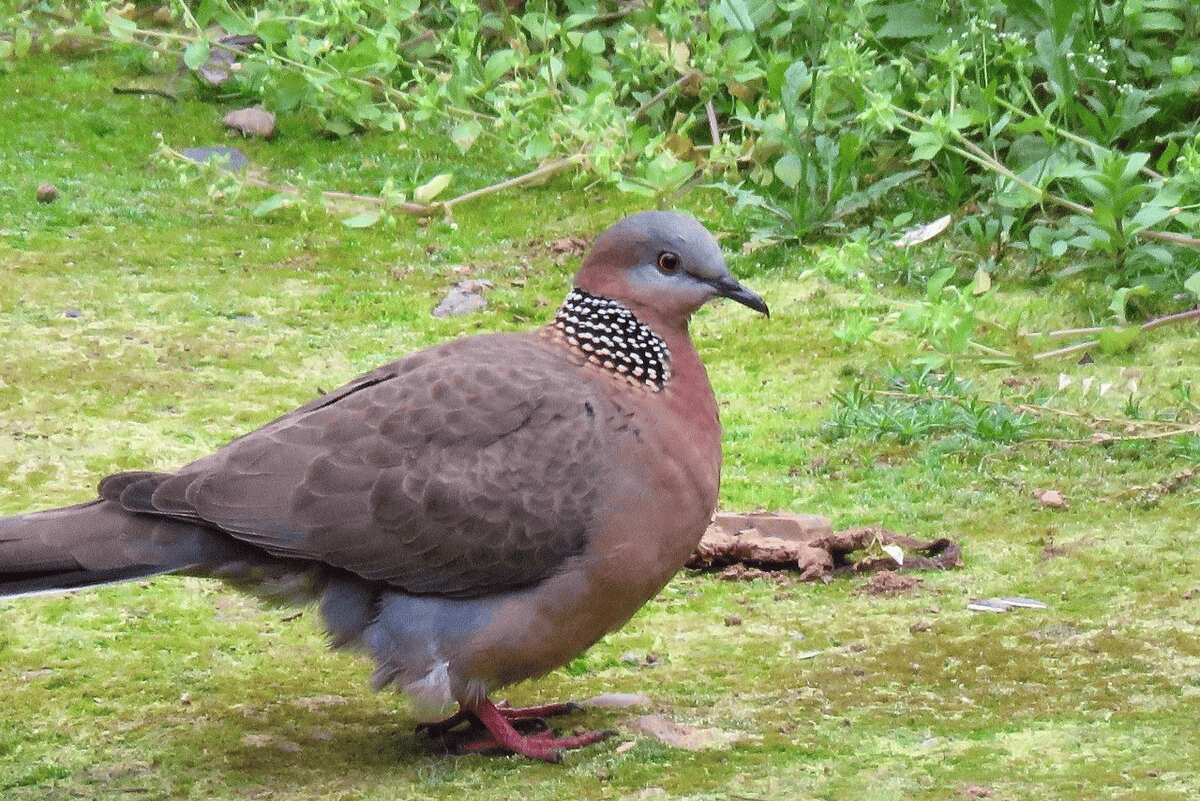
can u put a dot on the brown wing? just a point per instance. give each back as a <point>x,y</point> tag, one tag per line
<point>465,469</point>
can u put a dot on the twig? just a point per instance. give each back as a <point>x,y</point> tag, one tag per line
<point>649,104</point>
<point>133,90</point>
<point>712,123</point>
<point>1065,332</point>
<point>338,197</point>
<point>612,16</point>
<point>420,38</point>
<point>1150,325</point>
<point>1174,239</point>
<point>542,172</point>
<point>415,209</point>
<point>1088,417</point>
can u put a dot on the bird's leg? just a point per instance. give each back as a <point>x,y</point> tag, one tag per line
<point>538,742</point>
<point>543,745</point>
<point>440,728</point>
<point>542,711</point>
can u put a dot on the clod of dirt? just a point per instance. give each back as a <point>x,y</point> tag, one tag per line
<point>747,544</point>
<point>563,249</point>
<point>47,193</point>
<point>888,582</point>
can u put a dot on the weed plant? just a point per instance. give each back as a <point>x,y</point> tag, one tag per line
<point>1061,132</point>
<point>914,406</point>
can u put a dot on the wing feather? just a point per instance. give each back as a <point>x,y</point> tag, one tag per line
<point>467,469</point>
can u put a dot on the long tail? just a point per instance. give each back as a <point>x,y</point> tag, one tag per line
<point>99,542</point>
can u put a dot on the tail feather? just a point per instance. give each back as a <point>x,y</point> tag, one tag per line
<point>34,584</point>
<point>99,542</point>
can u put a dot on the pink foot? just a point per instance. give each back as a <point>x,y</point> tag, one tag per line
<point>536,741</point>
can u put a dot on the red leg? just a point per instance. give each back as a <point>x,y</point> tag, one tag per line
<point>502,735</point>
<point>543,745</point>
<point>543,711</point>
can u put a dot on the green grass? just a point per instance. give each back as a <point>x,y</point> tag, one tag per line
<point>198,321</point>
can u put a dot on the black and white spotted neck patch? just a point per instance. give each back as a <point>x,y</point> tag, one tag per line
<point>611,336</point>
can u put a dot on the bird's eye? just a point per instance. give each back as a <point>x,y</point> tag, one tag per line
<point>668,262</point>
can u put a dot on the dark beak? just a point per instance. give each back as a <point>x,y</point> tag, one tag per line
<point>728,288</point>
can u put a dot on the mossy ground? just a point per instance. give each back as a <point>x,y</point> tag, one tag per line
<point>146,320</point>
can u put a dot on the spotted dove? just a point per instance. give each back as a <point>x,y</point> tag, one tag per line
<point>472,515</point>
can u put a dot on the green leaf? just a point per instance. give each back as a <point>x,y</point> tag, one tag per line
<point>1029,125</point>
<point>789,169</point>
<point>635,187</point>
<point>465,133</point>
<point>593,42</point>
<point>937,282</point>
<point>120,28</point>
<point>197,53</point>
<point>982,282</point>
<point>1121,300</point>
<point>539,146</point>
<point>1192,284</point>
<point>272,32</point>
<point>364,220</point>
<point>926,143</point>
<point>1053,59</point>
<point>1147,217</point>
<point>498,65</point>
<point>908,21</point>
<point>337,127</point>
<point>276,201</point>
<point>1118,339</point>
<point>432,188</point>
<point>1161,21</point>
<point>22,43</point>
<point>797,79</point>
<point>737,15</point>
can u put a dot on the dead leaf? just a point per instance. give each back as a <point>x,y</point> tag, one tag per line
<point>678,735</point>
<point>427,191</point>
<point>618,700</point>
<point>223,58</point>
<point>464,297</point>
<point>923,233</point>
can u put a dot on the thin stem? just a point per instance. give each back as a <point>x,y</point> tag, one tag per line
<point>652,102</point>
<point>1150,325</point>
<point>713,130</point>
<point>415,209</point>
<point>972,152</point>
<point>1069,136</point>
